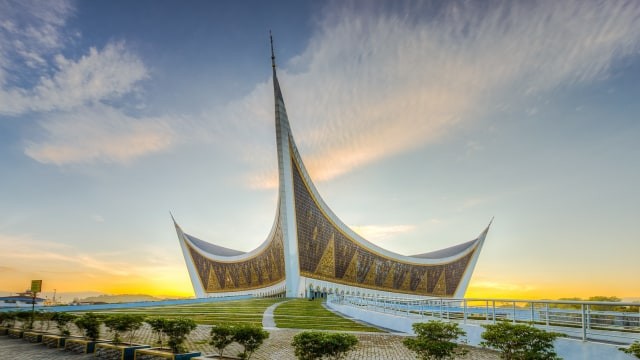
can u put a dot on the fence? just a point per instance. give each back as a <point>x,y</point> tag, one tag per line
<point>615,322</point>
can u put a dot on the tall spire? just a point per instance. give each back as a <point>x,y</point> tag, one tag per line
<point>273,56</point>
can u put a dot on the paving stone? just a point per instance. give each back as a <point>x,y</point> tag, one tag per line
<point>277,346</point>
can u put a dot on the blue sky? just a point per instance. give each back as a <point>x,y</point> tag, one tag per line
<point>419,121</point>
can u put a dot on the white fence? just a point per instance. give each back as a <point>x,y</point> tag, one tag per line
<point>614,322</point>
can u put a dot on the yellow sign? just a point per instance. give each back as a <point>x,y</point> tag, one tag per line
<point>36,286</point>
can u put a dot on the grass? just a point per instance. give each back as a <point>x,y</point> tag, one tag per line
<point>224,312</point>
<point>296,314</point>
<point>305,314</point>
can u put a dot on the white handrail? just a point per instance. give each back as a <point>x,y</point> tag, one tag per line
<point>587,320</point>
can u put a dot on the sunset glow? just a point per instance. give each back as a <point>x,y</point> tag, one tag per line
<point>418,121</point>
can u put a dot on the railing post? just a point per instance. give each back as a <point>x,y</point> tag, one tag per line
<point>464,301</point>
<point>440,308</point>
<point>514,312</point>
<point>584,322</point>
<point>533,319</point>
<point>547,310</point>
<point>486,314</point>
<point>494,311</point>
<point>448,311</point>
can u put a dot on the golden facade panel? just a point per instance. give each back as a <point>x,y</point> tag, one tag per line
<point>327,253</point>
<point>264,269</point>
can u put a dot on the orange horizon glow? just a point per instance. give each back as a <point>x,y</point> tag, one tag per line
<point>180,286</point>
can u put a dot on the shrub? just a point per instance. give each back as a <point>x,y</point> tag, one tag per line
<point>435,340</point>
<point>221,337</point>
<point>250,337</point>
<point>62,320</point>
<point>339,344</point>
<point>177,331</point>
<point>7,319</point>
<point>44,319</point>
<point>311,345</point>
<point>519,341</point>
<point>123,323</point>
<point>633,349</point>
<point>89,324</point>
<point>157,327</point>
<point>26,321</point>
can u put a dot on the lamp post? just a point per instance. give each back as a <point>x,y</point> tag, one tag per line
<point>36,287</point>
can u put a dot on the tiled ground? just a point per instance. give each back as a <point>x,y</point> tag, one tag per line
<point>278,346</point>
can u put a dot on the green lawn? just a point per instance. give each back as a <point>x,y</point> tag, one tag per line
<point>227,312</point>
<point>305,314</point>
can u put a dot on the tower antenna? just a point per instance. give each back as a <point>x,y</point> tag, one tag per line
<point>273,57</point>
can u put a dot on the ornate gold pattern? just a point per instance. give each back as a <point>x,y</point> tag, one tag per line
<point>327,253</point>
<point>262,270</point>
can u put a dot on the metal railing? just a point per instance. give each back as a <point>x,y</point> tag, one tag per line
<point>617,322</point>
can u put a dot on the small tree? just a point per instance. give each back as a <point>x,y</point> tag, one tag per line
<point>157,327</point>
<point>309,345</point>
<point>112,322</point>
<point>312,345</point>
<point>177,331</point>
<point>44,319</point>
<point>7,319</point>
<point>133,323</point>
<point>89,324</point>
<point>633,349</point>
<point>221,337</point>
<point>339,344</point>
<point>250,337</point>
<point>435,340</point>
<point>123,323</point>
<point>25,319</point>
<point>519,341</point>
<point>62,320</point>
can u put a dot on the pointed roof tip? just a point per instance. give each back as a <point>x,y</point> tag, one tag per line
<point>490,222</point>
<point>172,218</point>
<point>273,56</point>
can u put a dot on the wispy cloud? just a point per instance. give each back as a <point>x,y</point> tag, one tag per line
<point>488,285</point>
<point>100,75</point>
<point>30,31</point>
<point>370,85</point>
<point>99,133</point>
<point>75,99</point>
<point>51,256</point>
<point>381,232</point>
<point>70,268</point>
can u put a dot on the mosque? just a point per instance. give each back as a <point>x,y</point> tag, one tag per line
<point>310,252</point>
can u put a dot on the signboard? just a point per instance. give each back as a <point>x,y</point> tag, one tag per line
<point>36,286</point>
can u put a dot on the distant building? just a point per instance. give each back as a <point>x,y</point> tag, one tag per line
<point>310,252</point>
<point>24,299</point>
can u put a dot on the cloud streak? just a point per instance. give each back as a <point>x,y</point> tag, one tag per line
<point>99,133</point>
<point>30,31</point>
<point>51,256</point>
<point>381,232</point>
<point>100,75</point>
<point>74,100</point>
<point>372,85</point>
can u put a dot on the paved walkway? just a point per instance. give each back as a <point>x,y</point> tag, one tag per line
<point>387,346</point>
<point>277,346</point>
<point>267,318</point>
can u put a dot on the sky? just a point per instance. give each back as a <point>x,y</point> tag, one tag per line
<point>419,121</point>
